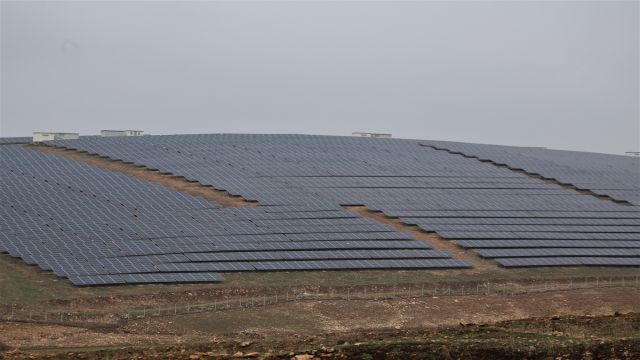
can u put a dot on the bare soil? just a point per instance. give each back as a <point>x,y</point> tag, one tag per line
<point>311,318</point>
<point>223,198</point>
<point>550,337</point>
<point>479,264</point>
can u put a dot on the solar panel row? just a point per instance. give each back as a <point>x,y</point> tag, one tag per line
<point>99,227</point>
<point>422,182</point>
<point>610,175</point>
<point>15,140</point>
<point>568,261</point>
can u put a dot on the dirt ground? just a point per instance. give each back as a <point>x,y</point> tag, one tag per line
<point>557,337</point>
<point>480,265</point>
<point>223,198</point>
<point>315,317</point>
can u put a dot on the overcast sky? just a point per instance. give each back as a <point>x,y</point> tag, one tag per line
<point>556,74</point>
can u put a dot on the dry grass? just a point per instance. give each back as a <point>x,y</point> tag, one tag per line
<point>311,318</point>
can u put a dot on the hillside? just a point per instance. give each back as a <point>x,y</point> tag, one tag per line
<point>277,246</point>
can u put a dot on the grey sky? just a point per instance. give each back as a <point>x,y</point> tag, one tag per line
<point>557,74</point>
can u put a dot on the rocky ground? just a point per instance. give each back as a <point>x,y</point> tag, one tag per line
<point>570,337</point>
<point>577,324</point>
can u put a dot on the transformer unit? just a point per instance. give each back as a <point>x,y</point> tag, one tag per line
<point>40,136</point>
<point>371,135</point>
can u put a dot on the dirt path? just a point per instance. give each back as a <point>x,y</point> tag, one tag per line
<point>169,180</point>
<point>479,264</point>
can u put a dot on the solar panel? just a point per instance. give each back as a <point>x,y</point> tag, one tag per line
<point>100,227</point>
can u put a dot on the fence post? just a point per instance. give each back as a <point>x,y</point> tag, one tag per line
<point>422,291</point>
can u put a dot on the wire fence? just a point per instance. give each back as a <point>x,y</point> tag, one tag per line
<point>116,316</point>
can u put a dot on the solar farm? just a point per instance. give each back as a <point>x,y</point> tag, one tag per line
<point>112,246</point>
<point>513,206</point>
